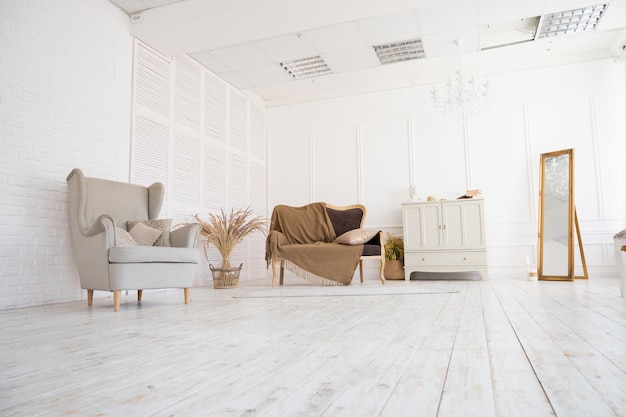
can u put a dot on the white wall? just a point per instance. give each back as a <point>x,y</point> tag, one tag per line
<point>370,148</point>
<point>65,68</point>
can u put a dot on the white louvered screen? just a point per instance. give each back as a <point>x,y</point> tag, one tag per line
<point>151,80</point>
<point>186,183</point>
<point>257,131</point>
<point>187,93</point>
<point>257,268</point>
<point>237,182</point>
<point>214,181</point>
<point>191,131</point>
<point>238,122</point>
<point>150,152</point>
<point>215,93</point>
<point>257,182</point>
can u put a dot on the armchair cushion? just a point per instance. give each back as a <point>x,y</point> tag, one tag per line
<point>164,225</point>
<point>145,235</point>
<point>143,254</point>
<point>356,236</point>
<point>123,238</point>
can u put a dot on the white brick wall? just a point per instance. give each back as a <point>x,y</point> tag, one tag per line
<point>65,70</point>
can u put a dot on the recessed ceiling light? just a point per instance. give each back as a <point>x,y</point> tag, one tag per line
<point>572,21</point>
<point>399,51</point>
<point>306,67</point>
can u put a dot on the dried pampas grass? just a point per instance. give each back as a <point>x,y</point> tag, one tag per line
<point>226,231</point>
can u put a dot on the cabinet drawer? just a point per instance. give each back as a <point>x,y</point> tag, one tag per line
<point>445,258</point>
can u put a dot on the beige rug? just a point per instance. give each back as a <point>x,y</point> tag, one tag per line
<point>354,289</point>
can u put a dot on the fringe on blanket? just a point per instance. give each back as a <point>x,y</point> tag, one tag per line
<point>309,276</point>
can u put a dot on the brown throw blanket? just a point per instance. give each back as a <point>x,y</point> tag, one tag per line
<point>304,236</point>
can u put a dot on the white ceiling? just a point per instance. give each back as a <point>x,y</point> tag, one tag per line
<point>243,41</point>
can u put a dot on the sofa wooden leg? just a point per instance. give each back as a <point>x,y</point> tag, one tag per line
<point>361,269</point>
<point>139,295</point>
<point>89,297</point>
<point>187,292</point>
<point>273,273</point>
<point>282,272</point>
<point>116,300</point>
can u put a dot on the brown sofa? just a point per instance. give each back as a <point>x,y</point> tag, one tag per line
<point>322,243</point>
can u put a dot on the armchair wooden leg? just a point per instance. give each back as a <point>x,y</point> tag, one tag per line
<point>282,272</point>
<point>187,293</point>
<point>89,297</point>
<point>116,300</point>
<point>382,271</point>
<point>139,295</point>
<point>361,269</point>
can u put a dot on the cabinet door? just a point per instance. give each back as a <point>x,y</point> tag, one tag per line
<point>453,221</point>
<point>422,224</point>
<point>463,225</point>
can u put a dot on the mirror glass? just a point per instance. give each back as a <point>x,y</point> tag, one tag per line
<point>556,208</point>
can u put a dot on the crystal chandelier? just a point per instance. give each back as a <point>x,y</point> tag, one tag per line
<point>462,97</point>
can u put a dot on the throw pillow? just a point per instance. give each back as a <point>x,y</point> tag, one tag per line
<point>145,235</point>
<point>164,225</point>
<point>356,236</point>
<point>123,238</point>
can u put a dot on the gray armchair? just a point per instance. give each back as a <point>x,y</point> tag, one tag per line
<point>99,211</point>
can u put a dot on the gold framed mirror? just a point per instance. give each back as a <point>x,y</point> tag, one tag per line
<point>557,218</point>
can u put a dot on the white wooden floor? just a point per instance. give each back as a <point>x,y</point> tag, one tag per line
<point>496,348</point>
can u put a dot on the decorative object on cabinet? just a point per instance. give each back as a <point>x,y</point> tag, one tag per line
<point>225,232</point>
<point>322,243</point>
<point>108,257</point>
<point>444,236</point>
<point>558,218</point>
<point>394,256</point>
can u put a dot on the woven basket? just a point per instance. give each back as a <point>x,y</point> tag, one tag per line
<point>394,270</point>
<point>225,277</point>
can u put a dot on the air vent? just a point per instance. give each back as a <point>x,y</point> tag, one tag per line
<point>572,21</point>
<point>399,51</point>
<point>306,67</point>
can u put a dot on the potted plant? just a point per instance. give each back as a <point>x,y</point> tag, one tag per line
<point>394,255</point>
<point>225,231</point>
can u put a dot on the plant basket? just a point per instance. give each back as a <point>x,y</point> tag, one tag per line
<point>394,270</point>
<point>225,277</point>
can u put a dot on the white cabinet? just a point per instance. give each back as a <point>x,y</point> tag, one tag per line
<point>444,236</point>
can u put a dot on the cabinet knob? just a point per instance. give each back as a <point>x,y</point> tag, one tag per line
<point>465,259</point>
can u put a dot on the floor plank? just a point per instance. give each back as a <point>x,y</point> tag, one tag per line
<point>498,348</point>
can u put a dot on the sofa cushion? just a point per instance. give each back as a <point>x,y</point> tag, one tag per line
<point>164,225</point>
<point>344,220</point>
<point>371,250</point>
<point>142,254</point>
<point>356,236</point>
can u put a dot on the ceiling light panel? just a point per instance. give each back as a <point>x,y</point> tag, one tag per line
<point>571,21</point>
<point>399,51</point>
<point>306,67</point>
